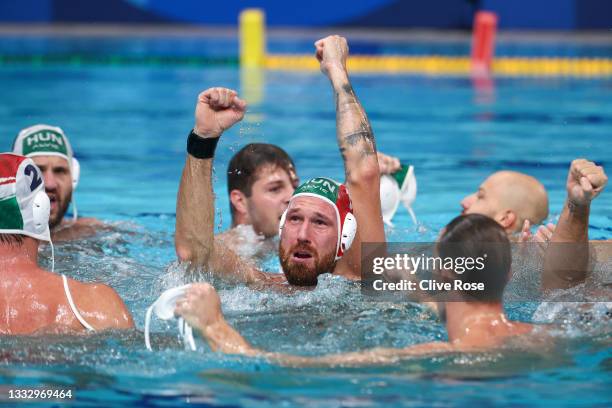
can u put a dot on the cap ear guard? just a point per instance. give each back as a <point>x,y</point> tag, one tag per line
<point>349,229</point>
<point>75,170</point>
<point>41,207</point>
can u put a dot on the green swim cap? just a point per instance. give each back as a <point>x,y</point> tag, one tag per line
<point>322,187</point>
<point>43,140</point>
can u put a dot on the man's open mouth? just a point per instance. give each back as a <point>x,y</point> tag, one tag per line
<point>302,254</point>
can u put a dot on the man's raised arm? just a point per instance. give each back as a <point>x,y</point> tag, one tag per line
<point>566,260</point>
<point>358,149</point>
<point>217,109</point>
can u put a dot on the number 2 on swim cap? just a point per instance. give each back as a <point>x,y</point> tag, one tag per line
<point>30,170</point>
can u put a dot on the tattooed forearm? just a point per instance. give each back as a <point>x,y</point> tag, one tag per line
<point>355,135</point>
<point>353,130</point>
<point>577,209</point>
<point>364,136</point>
<point>346,98</point>
<point>363,141</point>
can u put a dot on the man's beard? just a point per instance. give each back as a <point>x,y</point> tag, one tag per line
<point>301,274</point>
<point>62,207</point>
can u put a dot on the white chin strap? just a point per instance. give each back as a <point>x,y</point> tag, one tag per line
<point>75,169</point>
<point>52,257</point>
<point>74,210</point>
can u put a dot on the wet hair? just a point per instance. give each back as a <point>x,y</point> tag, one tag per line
<point>243,168</point>
<point>474,236</point>
<point>11,239</point>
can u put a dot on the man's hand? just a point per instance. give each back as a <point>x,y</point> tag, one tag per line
<point>542,236</point>
<point>387,164</point>
<point>331,52</point>
<point>584,182</point>
<point>200,307</point>
<point>217,109</point>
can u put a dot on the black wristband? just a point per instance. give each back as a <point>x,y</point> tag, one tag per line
<point>200,147</point>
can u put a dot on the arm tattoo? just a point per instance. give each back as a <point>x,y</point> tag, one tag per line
<point>348,88</point>
<point>364,139</point>
<point>576,209</point>
<point>353,139</point>
<point>355,134</point>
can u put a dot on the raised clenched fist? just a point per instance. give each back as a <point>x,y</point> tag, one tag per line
<point>332,52</point>
<point>584,182</point>
<point>217,109</point>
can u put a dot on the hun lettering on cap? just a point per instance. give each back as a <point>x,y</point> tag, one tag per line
<point>45,136</point>
<point>45,140</point>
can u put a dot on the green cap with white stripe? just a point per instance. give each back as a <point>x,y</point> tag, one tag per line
<point>43,140</point>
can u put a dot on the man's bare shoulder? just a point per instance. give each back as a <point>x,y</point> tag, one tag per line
<point>89,222</point>
<point>521,335</point>
<point>81,222</point>
<point>79,229</point>
<point>101,303</point>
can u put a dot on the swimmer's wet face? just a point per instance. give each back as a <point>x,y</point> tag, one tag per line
<point>485,201</point>
<point>58,185</point>
<point>308,242</point>
<point>260,178</point>
<point>269,198</point>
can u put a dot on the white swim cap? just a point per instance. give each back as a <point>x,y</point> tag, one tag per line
<point>396,187</point>
<point>46,140</point>
<point>24,205</point>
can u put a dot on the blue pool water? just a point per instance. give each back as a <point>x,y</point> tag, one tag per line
<point>128,126</point>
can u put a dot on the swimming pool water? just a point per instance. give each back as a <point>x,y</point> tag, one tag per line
<point>128,126</point>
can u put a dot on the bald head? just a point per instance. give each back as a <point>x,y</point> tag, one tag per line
<point>510,198</point>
